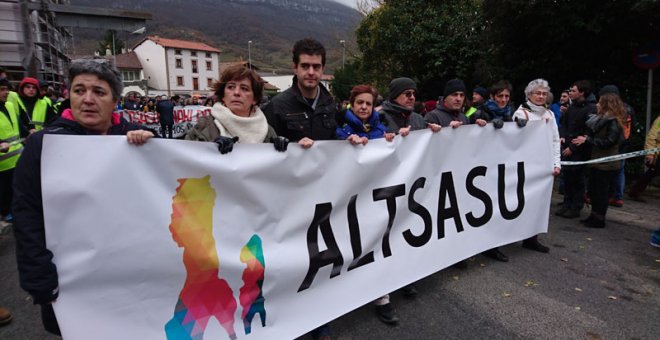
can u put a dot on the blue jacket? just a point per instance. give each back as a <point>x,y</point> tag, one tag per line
<point>354,126</point>
<point>556,109</point>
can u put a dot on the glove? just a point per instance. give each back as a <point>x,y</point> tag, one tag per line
<point>521,122</point>
<point>498,123</point>
<point>280,143</point>
<point>225,144</point>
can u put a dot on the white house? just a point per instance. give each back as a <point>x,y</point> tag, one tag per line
<point>178,67</point>
<point>131,73</point>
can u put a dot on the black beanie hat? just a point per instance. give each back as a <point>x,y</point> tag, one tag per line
<point>398,85</point>
<point>454,85</point>
<point>481,91</point>
<point>609,89</point>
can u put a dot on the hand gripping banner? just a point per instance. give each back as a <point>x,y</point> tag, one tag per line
<point>173,240</point>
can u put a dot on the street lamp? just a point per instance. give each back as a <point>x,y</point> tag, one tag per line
<point>343,53</point>
<point>250,54</point>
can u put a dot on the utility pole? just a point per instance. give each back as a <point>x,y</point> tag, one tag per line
<point>29,61</point>
<point>250,54</point>
<point>343,53</point>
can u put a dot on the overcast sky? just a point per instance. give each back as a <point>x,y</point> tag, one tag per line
<point>350,3</point>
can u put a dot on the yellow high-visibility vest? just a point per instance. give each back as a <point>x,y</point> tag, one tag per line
<point>9,133</point>
<point>38,117</point>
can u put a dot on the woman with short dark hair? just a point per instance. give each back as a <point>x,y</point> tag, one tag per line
<point>94,92</point>
<point>236,117</point>
<point>361,121</point>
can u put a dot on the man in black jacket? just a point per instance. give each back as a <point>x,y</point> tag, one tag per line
<point>573,124</point>
<point>450,109</point>
<point>306,111</point>
<point>165,109</point>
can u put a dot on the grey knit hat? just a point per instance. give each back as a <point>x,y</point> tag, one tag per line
<point>398,85</point>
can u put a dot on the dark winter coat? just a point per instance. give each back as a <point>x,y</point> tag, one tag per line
<point>443,116</point>
<point>37,272</point>
<point>489,111</point>
<point>395,117</point>
<point>605,135</point>
<point>573,124</point>
<point>165,109</point>
<point>293,117</point>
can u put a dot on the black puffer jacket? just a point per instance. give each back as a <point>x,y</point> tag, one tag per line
<point>293,117</point>
<point>37,272</point>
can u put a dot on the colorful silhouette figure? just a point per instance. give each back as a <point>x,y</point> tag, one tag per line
<point>251,294</point>
<point>204,294</point>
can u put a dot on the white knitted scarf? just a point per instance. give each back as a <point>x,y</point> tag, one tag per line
<point>252,129</point>
<point>540,111</point>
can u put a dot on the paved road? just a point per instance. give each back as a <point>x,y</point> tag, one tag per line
<point>594,284</point>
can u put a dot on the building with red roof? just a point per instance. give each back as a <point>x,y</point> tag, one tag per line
<point>181,67</point>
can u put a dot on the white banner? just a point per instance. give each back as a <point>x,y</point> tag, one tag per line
<point>174,240</point>
<point>185,117</point>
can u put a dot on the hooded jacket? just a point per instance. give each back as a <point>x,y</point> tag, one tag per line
<point>34,112</point>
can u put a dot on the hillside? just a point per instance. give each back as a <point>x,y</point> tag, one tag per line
<point>271,25</point>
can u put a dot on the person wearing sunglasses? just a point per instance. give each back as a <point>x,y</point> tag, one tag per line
<point>398,113</point>
<point>449,111</point>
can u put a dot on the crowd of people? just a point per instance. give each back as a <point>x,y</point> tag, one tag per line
<point>582,127</point>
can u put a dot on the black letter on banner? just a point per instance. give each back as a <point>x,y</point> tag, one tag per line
<point>356,242</point>
<point>510,215</point>
<point>413,206</point>
<point>318,259</point>
<point>447,187</point>
<point>390,194</point>
<point>481,195</point>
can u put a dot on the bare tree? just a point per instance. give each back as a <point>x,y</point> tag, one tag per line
<point>366,6</point>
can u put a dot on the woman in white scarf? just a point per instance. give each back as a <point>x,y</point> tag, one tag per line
<point>534,109</point>
<point>236,117</point>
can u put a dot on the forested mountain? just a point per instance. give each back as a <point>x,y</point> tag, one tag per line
<point>271,25</point>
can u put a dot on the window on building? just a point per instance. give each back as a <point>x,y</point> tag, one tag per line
<point>209,82</point>
<point>194,66</point>
<point>209,66</point>
<point>179,63</point>
<point>193,53</point>
<point>208,54</point>
<point>130,75</point>
<point>179,81</point>
<point>177,52</point>
<point>195,84</point>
